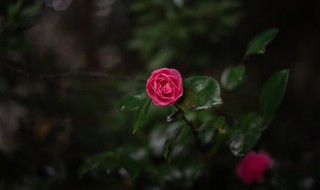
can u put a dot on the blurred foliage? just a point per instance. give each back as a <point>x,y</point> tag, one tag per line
<point>180,31</point>
<point>15,18</point>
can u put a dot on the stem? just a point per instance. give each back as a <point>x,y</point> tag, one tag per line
<point>194,133</point>
<point>244,58</point>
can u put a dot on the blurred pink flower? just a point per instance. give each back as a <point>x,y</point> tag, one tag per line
<point>164,86</point>
<point>252,166</point>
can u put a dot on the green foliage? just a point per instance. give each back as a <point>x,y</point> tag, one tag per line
<point>111,161</point>
<point>165,31</point>
<point>233,77</point>
<point>133,102</point>
<point>258,44</point>
<point>141,115</point>
<point>273,92</point>
<point>18,17</point>
<point>246,133</point>
<point>108,160</point>
<point>200,92</point>
<point>193,119</point>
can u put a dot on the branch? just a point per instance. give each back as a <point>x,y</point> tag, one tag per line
<point>88,75</point>
<point>25,74</point>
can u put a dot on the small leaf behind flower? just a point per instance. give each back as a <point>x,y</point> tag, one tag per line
<point>133,101</point>
<point>233,77</point>
<point>258,44</point>
<point>141,115</point>
<point>200,92</point>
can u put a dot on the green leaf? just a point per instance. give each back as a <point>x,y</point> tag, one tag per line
<point>200,92</point>
<point>141,115</point>
<point>258,44</point>
<point>169,142</point>
<point>233,77</point>
<point>109,160</point>
<point>246,133</point>
<point>133,102</point>
<point>273,92</point>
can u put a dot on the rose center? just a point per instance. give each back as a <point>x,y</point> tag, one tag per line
<point>165,88</point>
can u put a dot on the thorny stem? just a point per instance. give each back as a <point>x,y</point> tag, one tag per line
<point>194,133</point>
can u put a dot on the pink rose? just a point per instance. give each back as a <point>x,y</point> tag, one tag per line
<point>164,86</point>
<point>252,167</point>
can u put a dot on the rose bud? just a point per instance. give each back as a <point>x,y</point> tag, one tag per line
<point>252,166</point>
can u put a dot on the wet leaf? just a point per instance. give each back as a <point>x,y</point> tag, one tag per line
<point>246,133</point>
<point>200,92</point>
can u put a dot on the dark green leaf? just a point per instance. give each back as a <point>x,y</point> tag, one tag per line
<point>233,77</point>
<point>200,92</point>
<point>169,142</point>
<point>272,92</point>
<point>141,115</point>
<point>247,131</point>
<point>133,102</point>
<point>108,160</point>
<point>258,44</point>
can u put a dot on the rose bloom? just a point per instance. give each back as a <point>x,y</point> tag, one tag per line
<point>164,86</point>
<point>252,167</point>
